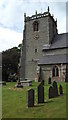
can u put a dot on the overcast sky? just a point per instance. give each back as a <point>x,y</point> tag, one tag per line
<point>12,20</point>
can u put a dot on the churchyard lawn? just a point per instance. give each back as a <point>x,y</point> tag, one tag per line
<point>14,103</point>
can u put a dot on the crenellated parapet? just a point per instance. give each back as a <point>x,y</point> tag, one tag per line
<point>39,15</point>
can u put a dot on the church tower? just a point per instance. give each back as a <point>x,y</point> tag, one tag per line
<point>39,29</point>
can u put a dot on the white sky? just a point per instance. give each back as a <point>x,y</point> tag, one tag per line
<point>12,21</point>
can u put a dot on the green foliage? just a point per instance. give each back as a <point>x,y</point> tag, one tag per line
<point>14,103</point>
<point>10,60</point>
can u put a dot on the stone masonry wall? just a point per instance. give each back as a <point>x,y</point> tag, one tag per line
<point>55,52</point>
<point>47,72</point>
<point>32,43</point>
<point>35,40</point>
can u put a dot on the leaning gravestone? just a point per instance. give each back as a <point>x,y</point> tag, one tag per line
<point>30,98</point>
<point>51,92</point>
<point>40,93</point>
<point>49,80</point>
<point>55,89</point>
<point>61,90</point>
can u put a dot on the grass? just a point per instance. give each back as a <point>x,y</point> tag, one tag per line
<point>0,102</point>
<point>14,103</point>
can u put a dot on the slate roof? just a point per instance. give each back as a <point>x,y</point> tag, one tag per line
<point>53,59</point>
<point>59,41</point>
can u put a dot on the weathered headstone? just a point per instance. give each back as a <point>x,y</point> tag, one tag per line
<point>40,75</point>
<point>61,90</point>
<point>49,80</point>
<point>51,92</point>
<point>30,98</point>
<point>40,93</point>
<point>55,89</point>
<point>42,82</point>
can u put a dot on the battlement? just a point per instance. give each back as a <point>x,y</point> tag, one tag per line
<point>39,15</point>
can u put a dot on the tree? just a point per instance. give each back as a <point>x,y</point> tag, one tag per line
<point>10,60</point>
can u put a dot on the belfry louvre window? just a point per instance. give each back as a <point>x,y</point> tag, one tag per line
<point>35,26</point>
<point>55,71</point>
<point>36,50</point>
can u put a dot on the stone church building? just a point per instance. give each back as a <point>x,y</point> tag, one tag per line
<point>43,50</point>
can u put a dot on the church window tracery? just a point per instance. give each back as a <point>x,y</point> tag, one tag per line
<point>35,26</point>
<point>55,71</point>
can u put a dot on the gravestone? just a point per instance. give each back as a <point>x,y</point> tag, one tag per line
<point>40,93</point>
<point>42,82</point>
<point>60,90</point>
<point>30,98</point>
<point>51,92</point>
<point>55,89</point>
<point>66,76</point>
<point>40,75</point>
<point>49,80</point>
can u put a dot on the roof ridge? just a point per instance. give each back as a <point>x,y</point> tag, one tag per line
<point>55,55</point>
<point>62,33</point>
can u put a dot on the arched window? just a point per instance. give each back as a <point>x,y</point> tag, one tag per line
<point>35,26</point>
<point>36,50</point>
<point>55,71</point>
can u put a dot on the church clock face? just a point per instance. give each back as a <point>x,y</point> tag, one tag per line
<point>36,35</point>
<point>36,29</point>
